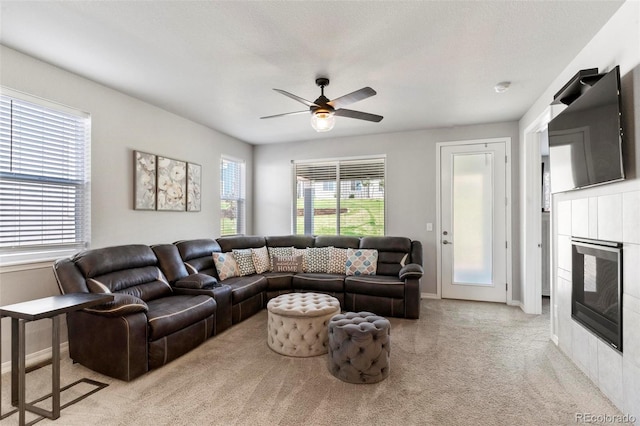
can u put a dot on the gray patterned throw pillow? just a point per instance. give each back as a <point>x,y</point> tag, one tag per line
<point>317,258</point>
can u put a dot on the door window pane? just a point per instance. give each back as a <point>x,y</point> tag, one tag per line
<point>472,218</point>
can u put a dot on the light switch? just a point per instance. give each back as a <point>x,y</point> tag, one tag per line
<point>429,226</point>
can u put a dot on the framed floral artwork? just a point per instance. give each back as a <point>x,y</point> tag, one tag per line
<point>194,173</point>
<point>145,181</point>
<point>172,184</point>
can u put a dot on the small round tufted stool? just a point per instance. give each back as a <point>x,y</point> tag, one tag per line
<point>297,323</point>
<point>359,346</point>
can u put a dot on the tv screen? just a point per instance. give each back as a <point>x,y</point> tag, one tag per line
<point>585,140</point>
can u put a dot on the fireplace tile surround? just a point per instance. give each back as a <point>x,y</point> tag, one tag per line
<point>614,217</point>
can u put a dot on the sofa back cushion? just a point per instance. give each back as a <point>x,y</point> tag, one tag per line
<point>196,255</point>
<point>104,260</point>
<point>146,283</point>
<point>131,269</point>
<point>338,241</point>
<point>69,278</point>
<point>297,241</point>
<point>238,242</point>
<point>170,262</point>
<point>393,253</point>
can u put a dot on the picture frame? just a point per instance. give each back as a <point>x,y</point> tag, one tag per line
<point>145,170</point>
<point>171,184</point>
<point>194,180</point>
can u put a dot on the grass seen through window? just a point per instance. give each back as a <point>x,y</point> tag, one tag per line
<point>358,216</point>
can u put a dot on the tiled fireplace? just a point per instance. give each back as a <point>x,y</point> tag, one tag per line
<point>599,214</point>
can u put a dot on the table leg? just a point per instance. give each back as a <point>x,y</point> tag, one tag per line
<point>1,415</point>
<point>21,371</point>
<point>55,367</point>
<point>14,362</point>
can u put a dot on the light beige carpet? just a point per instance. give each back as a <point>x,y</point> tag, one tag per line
<point>462,363</point>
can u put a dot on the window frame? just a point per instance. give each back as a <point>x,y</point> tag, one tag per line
<point>241,200</point>
<point>338,186</point>
<point>11,258</point>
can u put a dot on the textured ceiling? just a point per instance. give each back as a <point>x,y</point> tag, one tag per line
<point>433,64</point>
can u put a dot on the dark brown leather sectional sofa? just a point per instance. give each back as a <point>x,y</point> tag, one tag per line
<point>168,298</point>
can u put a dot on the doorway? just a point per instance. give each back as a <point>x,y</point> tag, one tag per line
<point>474,220</point>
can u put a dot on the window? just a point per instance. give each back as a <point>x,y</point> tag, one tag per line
<point>44,179</point>
<point>232,193</point>
<point>342,197</point>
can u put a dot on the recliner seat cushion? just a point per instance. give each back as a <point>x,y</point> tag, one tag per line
<point>243,288</point>
<point>278,280</point>
<point>328,283</point>
<point>170,314</point>
<point>375,285</point>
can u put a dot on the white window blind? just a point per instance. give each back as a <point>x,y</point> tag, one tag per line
<point>44,178</point>
<point>341,197</point>
<point>232,196</point>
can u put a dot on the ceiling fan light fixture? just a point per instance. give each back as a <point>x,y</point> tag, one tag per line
<point>323,120</point>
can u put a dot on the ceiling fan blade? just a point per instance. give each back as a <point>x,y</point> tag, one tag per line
<point>358,114</point>
<point>297,98</point>
<point>352,97</point>
<point>287,113</point>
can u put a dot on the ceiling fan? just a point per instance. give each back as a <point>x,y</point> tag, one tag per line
<point>323,111</point>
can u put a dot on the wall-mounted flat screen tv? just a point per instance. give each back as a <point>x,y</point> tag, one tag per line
<point>585,140</point>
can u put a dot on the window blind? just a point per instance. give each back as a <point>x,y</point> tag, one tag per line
<point>342,197</point>
<point>44,177</point>
<point>232,196</point>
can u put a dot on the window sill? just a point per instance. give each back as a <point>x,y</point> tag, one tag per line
<point>28,261</point>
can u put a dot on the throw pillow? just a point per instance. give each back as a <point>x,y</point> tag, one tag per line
<point>287,264</point>
<point>361,262</point>
<point>317,258</point>
<point>337,261</point>
<point>261,259</point>
<point>279,251</point>
<point>301,252</point>
<point>225,265</point>
<point>244,259</point>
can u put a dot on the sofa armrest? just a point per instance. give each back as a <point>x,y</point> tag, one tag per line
<point>412,270</point>
<point>115,346</point>
<point>196,281</point>
<point>122,305</point>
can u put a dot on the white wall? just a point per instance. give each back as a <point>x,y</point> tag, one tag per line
<point>608,212</point>
<point>120,124</point>
<point>410,182</point>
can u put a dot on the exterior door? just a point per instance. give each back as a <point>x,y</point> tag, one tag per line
<point>473,237</point>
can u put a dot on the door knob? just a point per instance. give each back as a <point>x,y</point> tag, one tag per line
<point>446,242</point>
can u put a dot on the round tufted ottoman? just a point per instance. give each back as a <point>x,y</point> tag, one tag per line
<point>359,346</point>
<point>297,323</point>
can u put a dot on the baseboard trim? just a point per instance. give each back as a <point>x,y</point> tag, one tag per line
<point>516,303</point>
<point>429,296</point>
<point>37,357</point>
